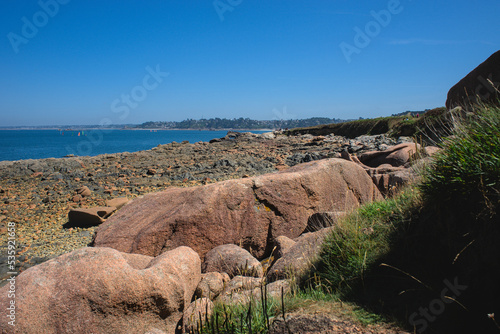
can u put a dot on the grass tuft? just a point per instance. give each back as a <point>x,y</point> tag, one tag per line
<point>467,172</point>
<point>363,238</point>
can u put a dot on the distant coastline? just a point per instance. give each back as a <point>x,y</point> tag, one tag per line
<point>212,124</point>
<point>117,128</point>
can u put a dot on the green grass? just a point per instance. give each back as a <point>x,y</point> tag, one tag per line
<point>363,238</point>
<point>253,316</point>
<point>467,172</point>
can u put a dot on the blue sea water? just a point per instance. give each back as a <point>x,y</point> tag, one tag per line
<point>39,144</point>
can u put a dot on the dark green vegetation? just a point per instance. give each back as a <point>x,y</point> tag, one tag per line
<point>429,258</point>
<point>238,123</point>
<point>428,124</point>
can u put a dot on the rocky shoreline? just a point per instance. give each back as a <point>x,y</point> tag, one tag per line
<point>37,195</point>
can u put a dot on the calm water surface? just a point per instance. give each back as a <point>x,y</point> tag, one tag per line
<point>39,144</point>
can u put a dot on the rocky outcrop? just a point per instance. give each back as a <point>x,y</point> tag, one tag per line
<point>250,212</point>
<point>393,167</point>
<point>100,290</point>
<point>481,85</point>
<point>232,260</point>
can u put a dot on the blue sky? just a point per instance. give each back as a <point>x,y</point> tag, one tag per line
<point>91,62</point>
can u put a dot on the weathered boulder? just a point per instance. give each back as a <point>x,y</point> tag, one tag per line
<point>250,212</point>
<point>392,168</point>
<point>233,260</point>
<point>481,85</point>
<point>211,285</point>
<point>301,258</point>
<point>196,314</point>
<point>155,331</point>
<point>237,285</point>
<point>84,191</point>
<point>117,202</point>
<point>100,290</point>
<point>388,179</point>
<point>283,245</point>
<point>396,156</point>
<point>255,294</point>
<point>88,217</point>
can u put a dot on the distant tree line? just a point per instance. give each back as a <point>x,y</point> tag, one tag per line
<point>239,123</point>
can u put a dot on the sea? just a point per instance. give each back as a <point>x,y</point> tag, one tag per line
<point>40,144</point>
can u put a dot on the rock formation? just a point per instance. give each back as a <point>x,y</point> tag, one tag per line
<point>100,290</point>
<point>249,212</point>
<point>481,85</point>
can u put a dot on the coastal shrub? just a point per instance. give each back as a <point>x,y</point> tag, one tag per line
<point>466,174</point>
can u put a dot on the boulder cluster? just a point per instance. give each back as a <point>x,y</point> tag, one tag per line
<point>164,258</point>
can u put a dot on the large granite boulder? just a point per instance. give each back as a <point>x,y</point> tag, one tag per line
<point>481,85</point>
<point>249,212</point>
<point>101,290</point>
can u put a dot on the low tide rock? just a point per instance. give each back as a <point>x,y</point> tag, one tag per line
<point>88,217</point>
<point>100,290</point>
<point>117,202</point>
<point>84,191</point>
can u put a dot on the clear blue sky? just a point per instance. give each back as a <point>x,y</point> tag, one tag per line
<point>234,58</point>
